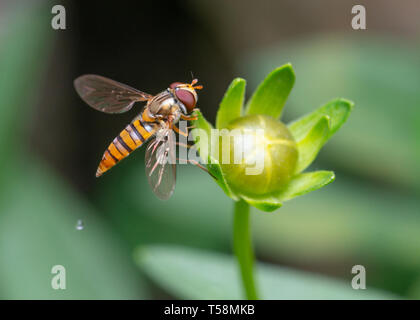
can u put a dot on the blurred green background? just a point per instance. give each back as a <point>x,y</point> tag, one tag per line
<point>134,246</point>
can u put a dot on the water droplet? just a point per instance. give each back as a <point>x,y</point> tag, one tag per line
<point>80,225</point>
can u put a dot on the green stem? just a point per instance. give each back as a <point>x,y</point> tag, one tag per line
<point>242,247</point>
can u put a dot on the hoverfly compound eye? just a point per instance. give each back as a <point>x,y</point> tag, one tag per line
<point>174,85</point>
<point>187,98</point>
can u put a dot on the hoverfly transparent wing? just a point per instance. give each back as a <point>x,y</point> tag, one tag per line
<point>161,164</point>
<point>107,95</point>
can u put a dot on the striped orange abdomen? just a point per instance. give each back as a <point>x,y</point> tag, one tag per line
<point>132,137</point>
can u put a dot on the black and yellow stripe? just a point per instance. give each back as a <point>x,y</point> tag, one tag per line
<point>132,137</point>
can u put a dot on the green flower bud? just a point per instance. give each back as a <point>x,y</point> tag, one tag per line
<point>268,155</point>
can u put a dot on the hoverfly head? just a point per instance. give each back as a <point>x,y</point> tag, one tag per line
<point>186,93</point>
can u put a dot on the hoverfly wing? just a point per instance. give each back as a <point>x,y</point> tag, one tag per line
<point>161,165</point>
<point>107,95</point>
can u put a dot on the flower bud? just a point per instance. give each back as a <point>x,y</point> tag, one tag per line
<point>258,155</point>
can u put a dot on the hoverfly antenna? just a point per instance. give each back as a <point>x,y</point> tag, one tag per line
<point>196,87</point>
<point>194,81</point>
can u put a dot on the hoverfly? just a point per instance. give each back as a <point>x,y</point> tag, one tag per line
<point>155,123</point>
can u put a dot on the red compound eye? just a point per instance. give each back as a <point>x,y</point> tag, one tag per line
<point>187,98</point>
<point>174,84</point>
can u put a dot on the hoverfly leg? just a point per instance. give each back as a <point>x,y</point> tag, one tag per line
<point>176,129</point>
<point>194,162</point>
<point>188,118</point>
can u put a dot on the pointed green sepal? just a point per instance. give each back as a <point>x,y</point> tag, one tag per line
<point>272,93</point>
<point>231,106</point>
<point>306,182</point>
<point>268,204</point>
<point>311,144</point>
<point>205,150</point>
<point>337,110</point>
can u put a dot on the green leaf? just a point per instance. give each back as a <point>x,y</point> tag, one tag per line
<point>337,110</point>
<point>311,144</point>
<point>272,93</point>
<point>195,274</point>
<point>204,147</point>
<point>38,216</point>
<point>231,106</point>
<point>306,182</point>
